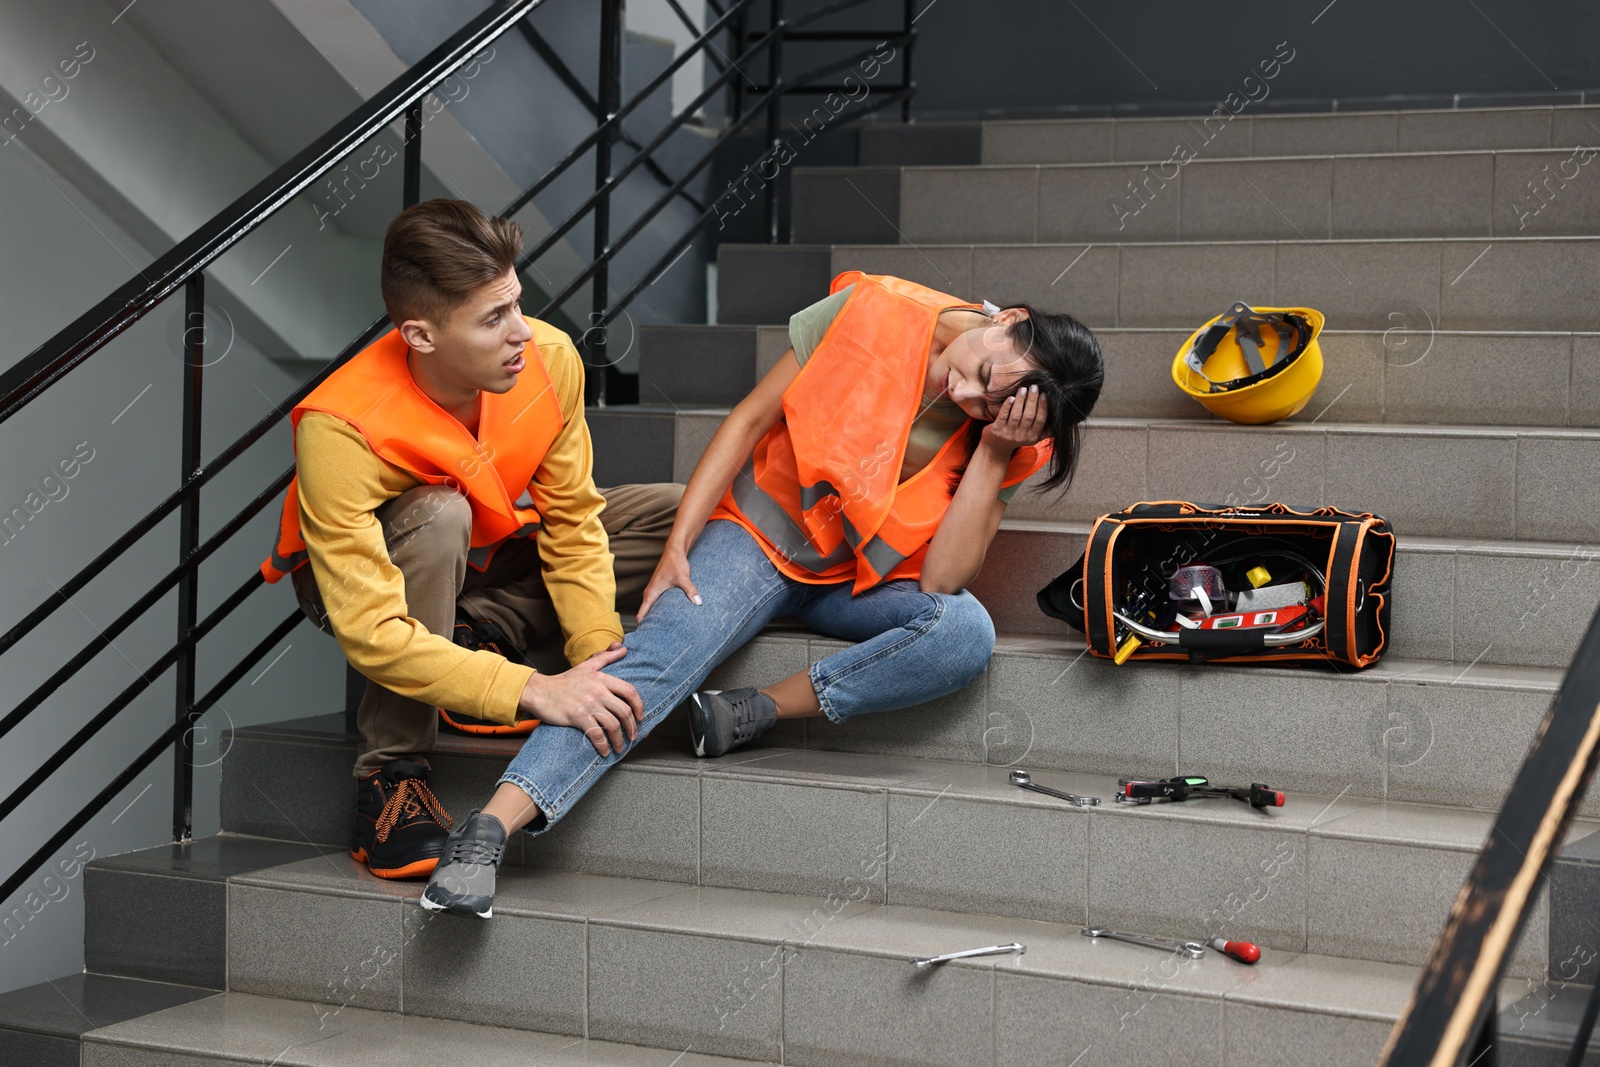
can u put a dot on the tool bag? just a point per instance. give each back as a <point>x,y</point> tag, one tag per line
<point>1132,555</point>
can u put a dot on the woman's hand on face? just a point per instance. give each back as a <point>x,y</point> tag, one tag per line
<point>1021,422</point>
<point>671,573</point>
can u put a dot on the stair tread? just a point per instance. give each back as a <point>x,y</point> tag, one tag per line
<point>66,1007</point>
<point>212,859</point>
<point>1451,828</point>
<point>1202,424</point>
<point>1405,542</point>
<point>291,1033</point>
<point>886,931</point>
<point>1294,157</point>
<point>1146,245</point>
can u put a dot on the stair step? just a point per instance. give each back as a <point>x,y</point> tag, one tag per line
<point>1247,135</point>
<point>161,914</point>
<point>960,837</point>
<point>1481,482</point>
<point>238,1027</point>
<point>1478,283</point>
<point>810,978</point>
<point>1412,730</point>
<point>1538,1029</point>
<point>40,1025</point>
<point>1312,197</point>
<point>1415,730</point>
<point>1404,375</point>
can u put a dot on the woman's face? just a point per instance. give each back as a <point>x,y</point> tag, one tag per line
<point>982,362</point>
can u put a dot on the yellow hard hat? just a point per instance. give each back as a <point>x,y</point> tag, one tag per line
<point>1249,374</point>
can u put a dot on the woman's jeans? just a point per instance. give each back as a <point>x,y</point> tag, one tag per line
<point>912,647</point>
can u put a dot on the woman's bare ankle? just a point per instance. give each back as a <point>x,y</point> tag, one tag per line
<point>514,808</point>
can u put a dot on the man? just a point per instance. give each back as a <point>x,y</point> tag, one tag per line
<point>444,487</point>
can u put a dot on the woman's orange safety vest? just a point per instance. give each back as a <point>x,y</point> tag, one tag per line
<point>376,394</point>
<point>821,493</point>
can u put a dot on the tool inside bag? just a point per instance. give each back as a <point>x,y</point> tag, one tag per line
<point>1175,580</point>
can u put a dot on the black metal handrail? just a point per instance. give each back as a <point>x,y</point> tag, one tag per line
<point>184,267</point>
<point>1450,1017</point>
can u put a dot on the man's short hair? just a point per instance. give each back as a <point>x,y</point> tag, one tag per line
<point>437,252</point>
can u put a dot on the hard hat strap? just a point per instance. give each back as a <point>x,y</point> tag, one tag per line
<point>1245,323</point>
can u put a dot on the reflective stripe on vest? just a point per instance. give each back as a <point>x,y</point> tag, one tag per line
<point>788,493</point>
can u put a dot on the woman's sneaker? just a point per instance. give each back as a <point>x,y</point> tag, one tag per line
<point>720,720</point>
<point>400,826</point>
<point>464,880</point>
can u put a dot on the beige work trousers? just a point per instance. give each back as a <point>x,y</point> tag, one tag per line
<point>427,530</point>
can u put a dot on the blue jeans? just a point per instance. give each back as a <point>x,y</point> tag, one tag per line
<point>912,647</point>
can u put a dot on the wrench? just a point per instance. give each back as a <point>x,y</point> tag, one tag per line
<point>1193,949</point>
<point>992,950</point>
<point>1025,780</point>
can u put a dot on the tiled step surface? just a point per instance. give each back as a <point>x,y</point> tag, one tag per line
<point>161,914</point>
<point>1405,730</point>
<point>1501,283</point>
<point>1482,482</point>
<point>1367,879</point>
<point>1406,374</point>
<point>240,1028</point>
<point>1255,135</point>
<point>1519,193</point>
<point>1537,1029</point>
<point>40,1025</point>
<point>813,979</point>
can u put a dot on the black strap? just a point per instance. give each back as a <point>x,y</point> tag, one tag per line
<point>1294,335</point>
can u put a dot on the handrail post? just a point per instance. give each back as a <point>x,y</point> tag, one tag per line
<point>738,31</point>
<point>774,114</point>
<point>907,84</point>
<point>412,188</point>
<point>1485,1052</point>
<point>194,340</point>
<point>610,95</point>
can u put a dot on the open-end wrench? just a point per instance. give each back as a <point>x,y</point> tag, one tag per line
<point>1025,780</point>
<point>1193,949</point>
<point>992,950</point>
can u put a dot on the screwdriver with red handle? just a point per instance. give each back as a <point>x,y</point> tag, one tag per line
<point>1243,951</point>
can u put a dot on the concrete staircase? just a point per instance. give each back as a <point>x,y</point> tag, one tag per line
<point>763,906</point>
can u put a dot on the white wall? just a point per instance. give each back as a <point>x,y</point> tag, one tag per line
<point>657,19</point>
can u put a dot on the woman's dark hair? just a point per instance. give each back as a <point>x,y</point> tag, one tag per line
<point>1069,372</point>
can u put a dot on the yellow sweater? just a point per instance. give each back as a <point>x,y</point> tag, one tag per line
<point>342,484</point>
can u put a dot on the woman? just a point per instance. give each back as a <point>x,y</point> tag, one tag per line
<point>856,488</point>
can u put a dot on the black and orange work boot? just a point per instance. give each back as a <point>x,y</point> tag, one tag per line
<point>477,634</point>
<point>400,826</point>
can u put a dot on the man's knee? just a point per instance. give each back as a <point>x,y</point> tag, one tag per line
<point>646,508</point>
<point>433,519</point>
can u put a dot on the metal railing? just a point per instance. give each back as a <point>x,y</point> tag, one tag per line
<point>1451,1017</point>
<point>184,266</point>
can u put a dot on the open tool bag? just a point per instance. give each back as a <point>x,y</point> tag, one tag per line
<point>1173,580</point>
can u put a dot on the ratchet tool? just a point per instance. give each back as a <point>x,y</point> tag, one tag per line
<point>1136,791</point>
<point>1025,780</point>
<point>992,950</point>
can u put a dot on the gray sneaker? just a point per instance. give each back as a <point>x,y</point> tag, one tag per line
<point>464,880</point>
<point>720,720</point>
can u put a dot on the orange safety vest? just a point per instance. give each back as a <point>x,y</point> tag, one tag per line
<point>821,492</point>
<point>376,394</point>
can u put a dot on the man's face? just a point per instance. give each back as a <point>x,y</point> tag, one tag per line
<point>479,345</point>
